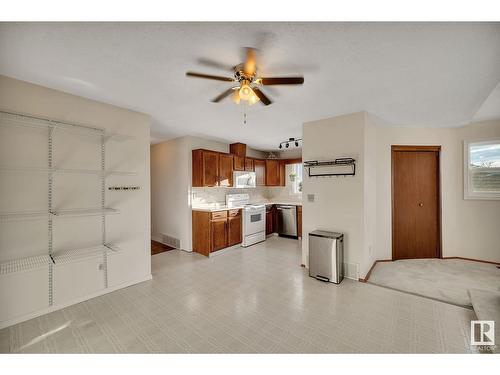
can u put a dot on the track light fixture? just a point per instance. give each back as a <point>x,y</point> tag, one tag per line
<point>290,141</point>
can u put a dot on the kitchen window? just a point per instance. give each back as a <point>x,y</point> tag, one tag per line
<point>482,170</point>
<point>294,178</point>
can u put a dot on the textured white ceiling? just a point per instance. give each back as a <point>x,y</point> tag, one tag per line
<point>407,74</point>
<point>490,109</point>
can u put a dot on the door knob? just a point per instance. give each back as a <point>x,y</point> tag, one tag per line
<point>421,204</point>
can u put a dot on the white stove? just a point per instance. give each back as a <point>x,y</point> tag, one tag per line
<point>254,218</point>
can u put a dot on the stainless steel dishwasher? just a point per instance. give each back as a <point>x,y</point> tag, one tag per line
<point>287,220</point>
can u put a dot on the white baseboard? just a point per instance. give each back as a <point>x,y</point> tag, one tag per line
<point>227,249</point>
<point>10,322</point>
<point>157,237</point>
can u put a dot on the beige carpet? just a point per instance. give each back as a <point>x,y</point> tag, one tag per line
<point>486,305</point>
<point>446,280</point>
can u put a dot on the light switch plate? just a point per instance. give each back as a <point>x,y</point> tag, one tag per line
<point>310,197</point>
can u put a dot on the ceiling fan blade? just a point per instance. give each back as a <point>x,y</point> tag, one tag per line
<point>263,98</point>
<point>209,76</point>
<point>215,64</point>
<point>250,65</point>
<point>223,95</point>
<point>282,81</point>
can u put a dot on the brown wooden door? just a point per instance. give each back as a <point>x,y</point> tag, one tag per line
<point>218,234</point>
<point>272,173</point>
<point>260,172</point>
<point>248,164</point>
<point>239,163</point>
<point>234,233</point>
<point>225,170</point>
<point>416,227</point>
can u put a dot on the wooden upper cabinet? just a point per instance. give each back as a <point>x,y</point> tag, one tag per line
<point>238,149</point>
<point>272,172</point>
<point>260,172</point>
<point>282,170</point>
<point>239,163</point>
<point>249,164</point>
<point>225,170</point>
<point>205,168</point>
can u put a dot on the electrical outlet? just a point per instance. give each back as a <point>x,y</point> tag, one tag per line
<point>310,197</point>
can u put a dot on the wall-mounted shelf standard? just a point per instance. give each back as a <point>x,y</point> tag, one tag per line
<point>331,168</point>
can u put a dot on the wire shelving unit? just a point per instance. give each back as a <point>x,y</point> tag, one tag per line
<point>25,264</point>
<point>52,257</point>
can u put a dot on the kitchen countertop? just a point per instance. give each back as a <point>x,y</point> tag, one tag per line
<point>214,208</point>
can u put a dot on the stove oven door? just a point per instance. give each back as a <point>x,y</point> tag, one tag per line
<point>255,220</point>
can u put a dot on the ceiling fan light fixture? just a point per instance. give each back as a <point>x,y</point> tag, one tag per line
<point>246,91</point>
<point>236,97</point>
<point>253,99</point>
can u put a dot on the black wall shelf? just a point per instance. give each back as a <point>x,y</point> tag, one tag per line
<point>310,165</point>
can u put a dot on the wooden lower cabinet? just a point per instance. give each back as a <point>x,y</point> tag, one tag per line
<point>218,234</point>
<point>234,228</point>
<point>269,222</point>
<point>213,231</point>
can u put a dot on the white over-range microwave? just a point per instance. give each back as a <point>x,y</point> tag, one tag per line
<point>243,179</point>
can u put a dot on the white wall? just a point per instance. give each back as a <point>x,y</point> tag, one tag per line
<point>339,201</point>
<point>24,295</point>
<point>170,186</point>
<point>370,196</point>
<point>172,194</point>
<point>469,227</point>
<point>478,221</point>
<point>360,207</point>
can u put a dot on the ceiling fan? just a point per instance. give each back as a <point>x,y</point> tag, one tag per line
<point>249,84</point>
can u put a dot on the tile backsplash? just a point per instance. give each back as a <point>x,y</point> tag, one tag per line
<point>207,195</point>
<point>200,195</point>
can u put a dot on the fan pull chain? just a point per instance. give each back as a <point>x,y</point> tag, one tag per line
<point>244,114</point>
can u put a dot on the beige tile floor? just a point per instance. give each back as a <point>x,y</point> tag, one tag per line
<point>254,300</point>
